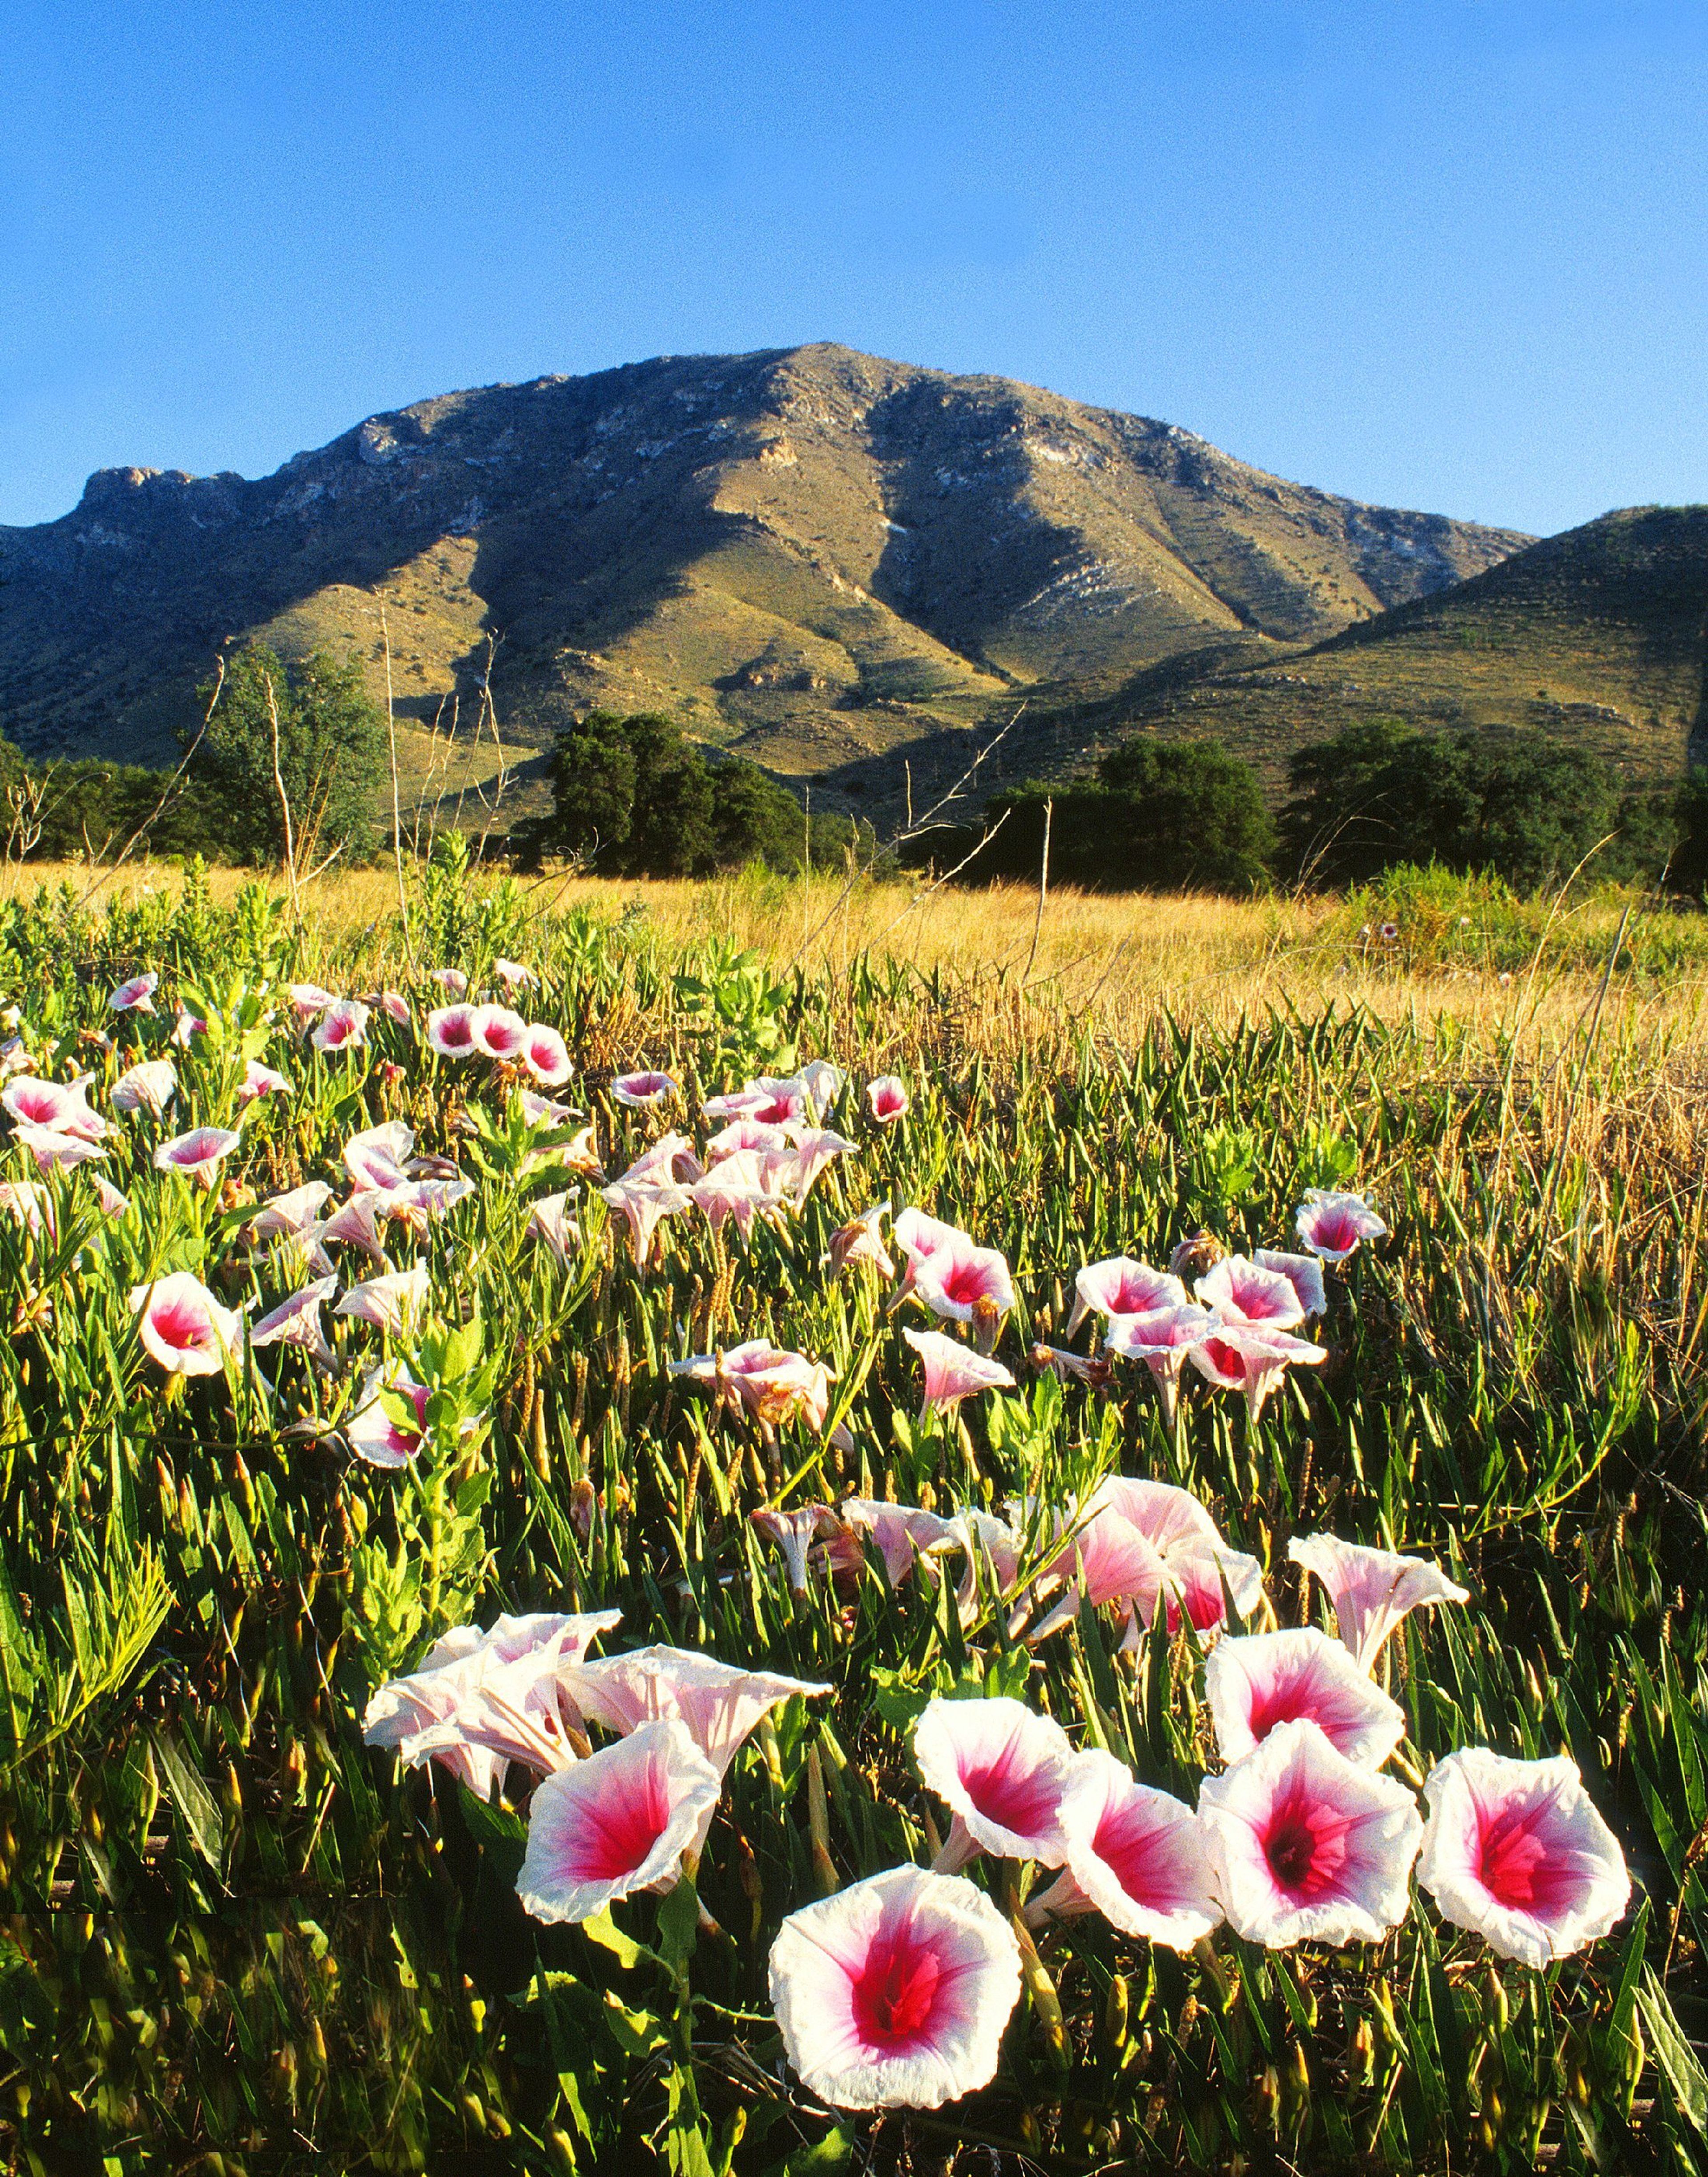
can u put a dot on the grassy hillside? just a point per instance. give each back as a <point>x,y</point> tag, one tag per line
<point>813,555</point>
<point>1597,636</point>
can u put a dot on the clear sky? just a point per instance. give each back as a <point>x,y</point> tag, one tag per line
<point>1443,254</point>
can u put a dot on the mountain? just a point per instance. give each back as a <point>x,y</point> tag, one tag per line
<point>813,556</point>
<point>1599,636</point>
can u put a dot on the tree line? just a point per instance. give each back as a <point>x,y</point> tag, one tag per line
<point>291,760</point>
<point>1174,815</point>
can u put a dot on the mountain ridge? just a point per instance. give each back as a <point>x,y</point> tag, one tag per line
<point>809,554</point>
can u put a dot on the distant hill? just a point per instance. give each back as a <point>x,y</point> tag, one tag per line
<point>1599,634</point>
<point>816,557</point>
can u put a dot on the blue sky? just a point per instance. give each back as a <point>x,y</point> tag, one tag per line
<point>1449,255</point>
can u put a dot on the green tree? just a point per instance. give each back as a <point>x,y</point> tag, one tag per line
<point>331,757</point>
<point>592,774</point>
<point>1160,816</point>
<point>637,797</point>
<point>1687,870</point>
<point>1521,805</point>
<point>1199,819</point>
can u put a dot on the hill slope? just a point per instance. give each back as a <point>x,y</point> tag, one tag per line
<point>810,554</point>
<point>1599,636</point>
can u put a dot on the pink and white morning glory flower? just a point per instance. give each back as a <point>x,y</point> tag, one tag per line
<point>297,1321</point>
<point>1163,1341</point>
<point>952,1372</point>
<point>451,980</point>
<point>746,1134</point>
<point>644,1092</point>
<point>1001,1768</point>
<point>735,1188</point>
<point>309,1000</point>
<point>551,1220</point>
<point>499,1033</point>
<point>284,1214</point>
<point>1252,1357</point>
<point>720,1704</point>
<point>149,1086</point>
<point>445,1689</point>
<point>377,1155</point>
<point>1306,1847</point>
<point>644,1205</point>
<point>763,1380</point>
<point>1304,1273</point>
<point>1134,1854</point>
<point>860,1240</point>
<point>900,1533</point>
<point>52,1151</point>
<point>1332,1226</point>
<point>1372,1589</point>
<point>1516,1852</point>
<point>895,1993</point>
<point>135,997</point>
<point>965,1284</point>
<point>794,1532</point>
<point>373,1434</point>
<point>1199,1568</point>
<point>886,1098</point>
<point>824,1082</point>
<point>815,1147</point>
<point>260,1080</point>
<point>450,1031</point>
<point>1264,1679</point>
<point>546,1056</point>
<point>1120,1286</point>
<point>183,1326</point>
<point>342,1026</point>
<point>198,1155</point>
<point>1240,1290</point>
<point>617,1823</point>
<point>513,975</point>
<point>61,1107</point>
<point>920,1240</point>
<point>389,1302</point>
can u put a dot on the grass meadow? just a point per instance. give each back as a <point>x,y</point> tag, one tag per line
<point>239,1938</point>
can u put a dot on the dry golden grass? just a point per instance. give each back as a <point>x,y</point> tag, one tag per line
<point>1108,964</point>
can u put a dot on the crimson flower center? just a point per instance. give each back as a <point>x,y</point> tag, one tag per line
<point>1306,1847</point>
<point>1520,1866</point>
<point>896,1990</point>
<point>965,1282</point>
<point>181,1327</point>
<point>1284,1700</point>
<point>1002,1793</point>
<point>614,1839</point>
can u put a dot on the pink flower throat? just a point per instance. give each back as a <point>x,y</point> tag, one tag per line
<point>1520,1869</point>
<point>615,1839</point>
<point>896,1990</point>
<point>1306,1846</point>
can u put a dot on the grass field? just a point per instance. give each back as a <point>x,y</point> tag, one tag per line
<point>241,1940</point>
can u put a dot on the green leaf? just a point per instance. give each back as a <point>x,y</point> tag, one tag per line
<point>637,2033</point>
<point>835,2151</point>
<point>193,1799</point>
<point>602,1929</point>
<point>1673,2053</point>
<point>678,1924</point>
